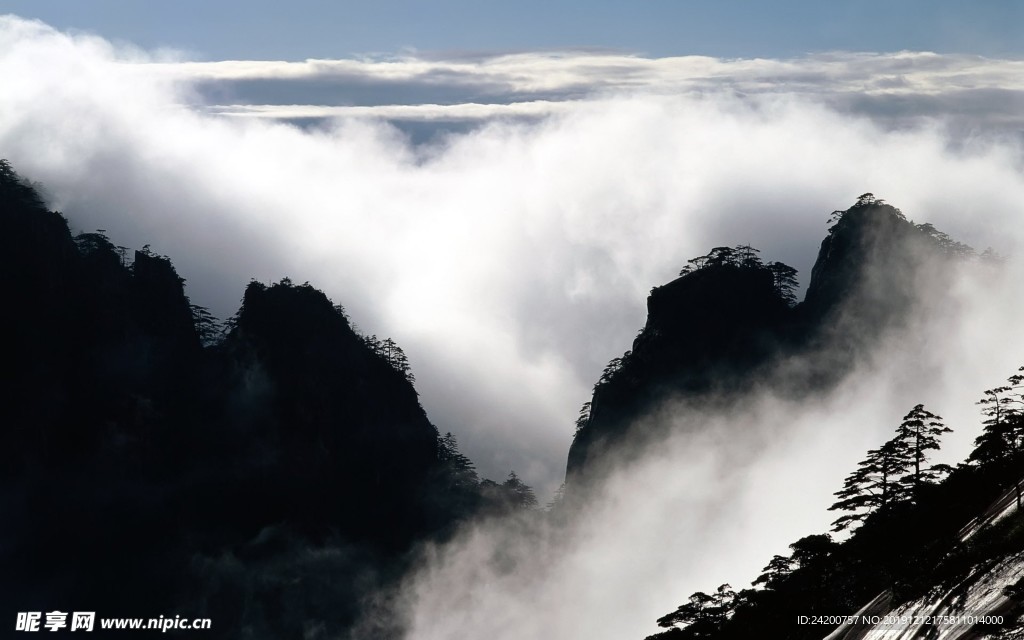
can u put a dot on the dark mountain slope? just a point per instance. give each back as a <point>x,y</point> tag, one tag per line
<point>270,478</point>
<point>704,331</point>
<point>349,443</point>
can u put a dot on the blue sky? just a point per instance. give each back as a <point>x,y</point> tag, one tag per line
<point>261,29</point>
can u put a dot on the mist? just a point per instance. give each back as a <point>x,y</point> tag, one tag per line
<point>717,493</point>
<point>511,260</point>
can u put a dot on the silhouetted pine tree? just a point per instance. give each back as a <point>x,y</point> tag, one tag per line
<point>920,432</point>
<point>747,257</point>
<point>776,571</point>
<point>614,366</point>
<point>209,329</point>
<point>16,190</point>
<point>584,416</point>
<point>460,469</point>
<point>1002,438</point>
<point>784,280</point>
<point>945,243</point>
<point>875,485</point>
<point>520,494</point>
<point>702,616</point>
<point>1003,429</point>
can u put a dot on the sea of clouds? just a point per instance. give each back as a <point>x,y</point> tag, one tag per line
<point>511,250</point>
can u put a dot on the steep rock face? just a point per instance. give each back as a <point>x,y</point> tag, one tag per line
<point>720,329</point>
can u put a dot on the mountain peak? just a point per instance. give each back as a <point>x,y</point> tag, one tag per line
<point>729,320</point>
<point>870,233</point>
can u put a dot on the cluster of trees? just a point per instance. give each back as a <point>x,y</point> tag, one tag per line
<point>584,416</point>
<point>711,615</point>
<point>950,246</point>
<point>18,192</point>
<point>864,201</point>
<point>908,515</point>
<point>97,244</point>
<point>704,613</point>
<point>894,472</point>
<point>614,368</point>
<point>745,256</point>
<point>511,495</point>
<point>389,350</point>
<point>1002,434</point>
<point>1001,443</point>
<point>208,327</point>
<point>470,494</point>
<point>942,241</point>
<point>212,331</point>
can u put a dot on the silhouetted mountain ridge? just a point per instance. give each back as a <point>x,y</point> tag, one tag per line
<point>159,468</point>
<point>727,325</point>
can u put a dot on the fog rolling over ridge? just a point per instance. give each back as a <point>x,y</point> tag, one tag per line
<point>715,493</point>
<point>511,263</point>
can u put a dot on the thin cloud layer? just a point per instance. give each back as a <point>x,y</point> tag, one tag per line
<point>900,88</point>
<point>512,261</point>
<point>563,72</point>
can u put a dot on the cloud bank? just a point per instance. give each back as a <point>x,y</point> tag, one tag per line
<point>897,89</point>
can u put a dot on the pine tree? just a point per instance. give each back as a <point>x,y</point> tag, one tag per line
<point>1003,429</point>
<point>614,366</point>
<point>460,469</point>
<point>389,350</point>
<point>920,432</point>
<point>519,494</point>
<point>694,264</point>
<point>1002,438</point>
<point>721,257</point>
<point>207,327</point>
<point>584,417</point>
<point>784,281</point>
<point>747,256</point>
<point>875,485</point>
<point>776,572</point>
<point>704,614</point>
